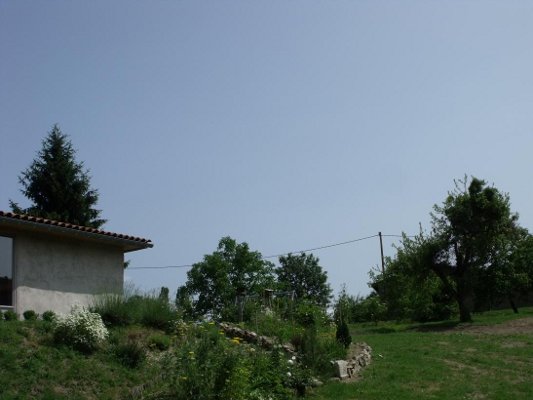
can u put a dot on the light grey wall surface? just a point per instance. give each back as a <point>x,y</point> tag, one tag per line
<point>5,256</point>
<point>57,274</point>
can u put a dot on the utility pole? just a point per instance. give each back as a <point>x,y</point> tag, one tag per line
<point>382,259</point>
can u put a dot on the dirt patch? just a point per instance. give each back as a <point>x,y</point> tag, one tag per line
<point>517,326</point>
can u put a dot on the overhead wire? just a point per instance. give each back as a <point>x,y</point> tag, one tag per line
<point>282,254</point>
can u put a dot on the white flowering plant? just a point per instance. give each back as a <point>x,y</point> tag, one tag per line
<point>80,329</point>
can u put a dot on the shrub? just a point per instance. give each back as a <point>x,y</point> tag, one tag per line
<point>131,354</point>
<point>81,329</point>
<point>49,316</point>
<point>30,315</point>
<point>309,314</point>
<point>209,366</point>
<point>156,313</point>
<point>318,349</point>
<point>150,311</point>
<point>343,334</point>
<point>10,315</point>
<point>160,342</point>
<point>115,309</point>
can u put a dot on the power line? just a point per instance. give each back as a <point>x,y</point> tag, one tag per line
<point>321,247</point>
<point>282,254</point>
<point>165,267</point>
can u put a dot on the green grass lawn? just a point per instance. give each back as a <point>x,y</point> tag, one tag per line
<point>34,368</point>
<point>442,360</point>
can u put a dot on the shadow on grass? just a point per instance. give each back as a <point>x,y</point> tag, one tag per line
<point>440,326</point>
<point>382,329</point>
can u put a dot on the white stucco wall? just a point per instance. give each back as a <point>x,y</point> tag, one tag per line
<point>57,274</point>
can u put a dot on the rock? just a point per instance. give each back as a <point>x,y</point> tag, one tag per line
<point>315,382</point>
<point>341,369</point>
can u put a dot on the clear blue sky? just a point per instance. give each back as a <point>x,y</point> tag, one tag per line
<point>285,124</point>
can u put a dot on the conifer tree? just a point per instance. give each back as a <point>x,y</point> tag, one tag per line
<point>59,186</point>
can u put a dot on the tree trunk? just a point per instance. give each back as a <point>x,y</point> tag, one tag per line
<point>464,302</point>
<point>513,305</point>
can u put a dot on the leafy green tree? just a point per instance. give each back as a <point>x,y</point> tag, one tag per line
<point>58,186</point>
<point>303,275</point>
<point>510,274</point>
<point>470,229</point>
<point>408,287</point>
<point>231,270</point>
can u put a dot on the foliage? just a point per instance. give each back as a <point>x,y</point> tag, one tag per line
<point>317,348</point>
<point>303,275</point>
<point>232,270</point>
<point>471,257</point>
<point>58,186</point>
<point>10,315</point>
<point>208,366</point>
<point>272,325</point>
<point>49,316</point>
<point>354,309</point>
<point>343,334</point>
<point>509,276</point>
<point>81,329</point>
<point>163,294</point>
<point>147,310</point>
<point>130,354</point>
<point>30,315</point>
<point>430,360</point>
<point>115,309</point>
<point>408,288</point>
<point>159,342</point>
<point>470,230</point>
<point>155,312</point>
<point>309,314</point>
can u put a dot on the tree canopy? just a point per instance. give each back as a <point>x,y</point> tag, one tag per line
<point>470,230</point>
<point>476,255</point>
<point>58,186</point>
<point>303,274</point>
<point>233,269</point>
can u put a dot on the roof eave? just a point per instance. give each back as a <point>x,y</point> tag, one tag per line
<point>127,245</point>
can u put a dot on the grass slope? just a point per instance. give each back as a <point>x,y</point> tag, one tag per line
<point>34,368</point>
<point>445,360</point>
<point>490,359</point>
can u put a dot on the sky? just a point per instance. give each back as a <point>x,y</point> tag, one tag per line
<point>288,125</point>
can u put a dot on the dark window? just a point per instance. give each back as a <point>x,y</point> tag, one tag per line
<point>6,271</point>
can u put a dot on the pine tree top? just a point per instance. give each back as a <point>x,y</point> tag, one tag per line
<point>58,186</point>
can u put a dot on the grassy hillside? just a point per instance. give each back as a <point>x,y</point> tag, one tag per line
<point>490,359</point>
<point>33,367</point>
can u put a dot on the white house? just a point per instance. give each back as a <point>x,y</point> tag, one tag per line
<point>53,265</point>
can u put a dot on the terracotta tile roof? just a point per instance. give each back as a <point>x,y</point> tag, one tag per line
<point>66,225</point>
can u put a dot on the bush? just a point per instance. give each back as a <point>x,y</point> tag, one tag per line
<point>209,366</point>
<point>131,354</point>
<point>81,329</point>
<point>160,342</point>
<point>10,315</point>
<point>30,315</point>
<point>150,311</point>
<point>309,314</point>
<point>317,349</point>
<point>115,309</point>
<point>49,316</point>
<point>343,334</point>
<point>156,313</point>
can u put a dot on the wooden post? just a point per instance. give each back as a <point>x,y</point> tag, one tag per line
<point>382,258</point>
